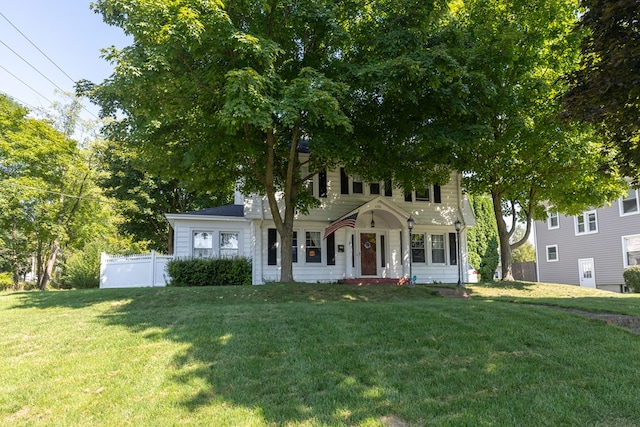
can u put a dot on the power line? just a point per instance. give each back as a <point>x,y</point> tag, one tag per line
<point>30,65</point>
<point>35,69</point>
<point>39,50</point>
<point>57,193</point>
<point>26,84</point>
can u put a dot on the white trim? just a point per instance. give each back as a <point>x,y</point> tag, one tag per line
<point>547,253</point>
<point>585,217</point>
<point>620,204</point>
<point>625,263</point>
<point>557,217</point>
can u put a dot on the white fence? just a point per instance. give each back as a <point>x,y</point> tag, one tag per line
<point>134,271</point>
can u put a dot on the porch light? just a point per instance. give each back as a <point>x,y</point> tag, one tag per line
<point>410,223</point>
<point>373,223</point>
<point>458,226</point>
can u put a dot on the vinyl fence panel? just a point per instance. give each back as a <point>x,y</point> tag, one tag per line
<point>134,271</point>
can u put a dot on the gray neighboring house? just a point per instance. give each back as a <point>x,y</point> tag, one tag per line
<point>592,249</point>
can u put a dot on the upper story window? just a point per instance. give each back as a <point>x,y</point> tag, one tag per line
<point>587,223</point>
<point>553,221</point>
<point>357,186</point>
<point>629,203</point>
<point>425,195</point>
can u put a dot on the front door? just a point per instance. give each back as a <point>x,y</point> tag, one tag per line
<point>368,256</point>
<point>587,272</point>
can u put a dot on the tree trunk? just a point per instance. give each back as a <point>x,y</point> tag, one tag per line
<point>503,237</point>
<point>51,262</point>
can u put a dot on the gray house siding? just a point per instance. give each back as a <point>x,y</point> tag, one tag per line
<point>605,246</point>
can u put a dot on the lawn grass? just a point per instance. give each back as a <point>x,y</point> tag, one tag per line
<point>314,355</point>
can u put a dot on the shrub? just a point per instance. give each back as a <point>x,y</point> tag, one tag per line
<point>632,278</point>
<point>210,272</point>
<point>6,281</point>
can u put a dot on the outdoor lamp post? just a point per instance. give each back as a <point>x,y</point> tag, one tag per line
<point>410,222</point>
<point>458,225</point>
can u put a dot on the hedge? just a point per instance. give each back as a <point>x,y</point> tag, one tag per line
<point>210,271</point>
<point>632,278</point>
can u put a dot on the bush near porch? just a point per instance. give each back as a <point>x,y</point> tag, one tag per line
<point>210,272</point>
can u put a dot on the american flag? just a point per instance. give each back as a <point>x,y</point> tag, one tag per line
<point>349,221</point>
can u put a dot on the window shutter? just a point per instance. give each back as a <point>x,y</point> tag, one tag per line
<point>437,194</point>
<point>272,247</point>
<point>453,249</point>
<point>344,182</point>
<point>331,249</point>
<point>323,183</point>
<point>388,188</point>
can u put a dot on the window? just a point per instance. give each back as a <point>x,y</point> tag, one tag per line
<point>552,253</point>
<point>374,188</point>
<point>631,250</point>
<point>312,245</point>
<point>202,244</point>
<point>228,245</point>
<point>553,221</point>
<point>587,223</point>
<point>357,186</point>
<point>417,248</point>
<point>423,195</point>
<point>629,203</point>
<point>437,249</point>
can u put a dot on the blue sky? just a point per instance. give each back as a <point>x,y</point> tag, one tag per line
<point>68,32</point>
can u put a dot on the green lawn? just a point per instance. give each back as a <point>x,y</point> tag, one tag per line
<point>317,355</point>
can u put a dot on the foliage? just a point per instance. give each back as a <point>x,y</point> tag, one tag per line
<point>142,198</point>
<point>482,239</point>
<point>214,93</point>
<point>516,148</point>
<point>604,89</point>
<point>632,278</point>
<point>524,253</point>
<point>210,271</point>
<point>81,269</point>
<point>6,281</point>
<point>51,205</point>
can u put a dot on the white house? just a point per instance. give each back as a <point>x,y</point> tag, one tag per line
<point>373,245</point>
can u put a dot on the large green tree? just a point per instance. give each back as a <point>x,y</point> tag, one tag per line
<point>515,148</point>
<point>142,198</point>
<point>605,89</point>
<point>215,92</point>
<point>48,197</point>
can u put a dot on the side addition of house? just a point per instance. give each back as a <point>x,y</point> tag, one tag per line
<point>359,232</point>
<point>592,249</point>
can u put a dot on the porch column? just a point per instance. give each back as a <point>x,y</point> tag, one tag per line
<point>349,254</point>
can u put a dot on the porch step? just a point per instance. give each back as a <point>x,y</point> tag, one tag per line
<point>369,281</point>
